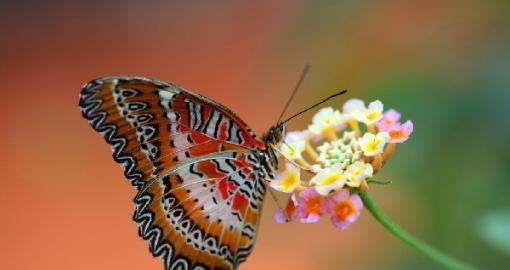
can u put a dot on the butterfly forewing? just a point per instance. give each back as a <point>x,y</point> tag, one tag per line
<point>194,163</point>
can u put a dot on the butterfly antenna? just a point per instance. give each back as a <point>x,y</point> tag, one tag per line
<point>313,106</point>
<point>296,87</point>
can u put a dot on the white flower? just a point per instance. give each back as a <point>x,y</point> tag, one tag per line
<point>288,181</point>
<point>357,173</point>
<point>353,105</point>
<point>326,118</point>
<point>373,145</point>
<point>294,144</point>
<point>352,108</point>
<point>329,179</point>
<point>372,114</point>
<point>293,150</point>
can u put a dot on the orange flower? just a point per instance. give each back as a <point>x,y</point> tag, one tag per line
<point>344,208</point>
<point>311,205</point>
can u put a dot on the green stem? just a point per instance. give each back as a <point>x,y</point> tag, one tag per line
<point>434,254</point>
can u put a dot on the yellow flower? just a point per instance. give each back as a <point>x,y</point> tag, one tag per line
<point>325,119</point>
<point>372,114</point>
<point>292,150</point>
<point>288,181</point>
<point>329,179</point>
<point>373,145</point>
<point>357,172</point>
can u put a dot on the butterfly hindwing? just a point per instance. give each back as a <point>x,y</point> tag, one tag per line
<point>208,210</point>
<point>194,163</point>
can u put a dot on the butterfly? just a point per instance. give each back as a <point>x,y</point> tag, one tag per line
<point>199,169</point>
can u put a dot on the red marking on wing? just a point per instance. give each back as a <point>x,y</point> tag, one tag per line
<point>223,132</point>
<point>240,202</point>
<point>209,169</point>
<point>199,138</point>
<point>242,163</point>
<point>223,188</point>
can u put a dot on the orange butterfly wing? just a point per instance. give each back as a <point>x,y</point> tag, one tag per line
<point>194,162</point>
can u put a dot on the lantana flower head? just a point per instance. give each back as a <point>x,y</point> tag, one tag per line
<point>342,150</point>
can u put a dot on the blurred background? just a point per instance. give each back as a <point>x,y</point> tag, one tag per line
<point>443,64</point>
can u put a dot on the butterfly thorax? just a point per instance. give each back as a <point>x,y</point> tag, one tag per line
<point>267,157</point>
<point>268,162</point>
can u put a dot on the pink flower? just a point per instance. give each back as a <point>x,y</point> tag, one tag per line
<point>399,133</point>
<point>390,118</point>
<point>311,205</point>
<point>345,208</point>
<point>288,213</point>
<point>390,123</point>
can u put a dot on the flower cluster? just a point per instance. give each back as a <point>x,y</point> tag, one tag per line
<point>342,150</point>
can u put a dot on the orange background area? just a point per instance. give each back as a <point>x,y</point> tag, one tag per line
<point>64,202</point>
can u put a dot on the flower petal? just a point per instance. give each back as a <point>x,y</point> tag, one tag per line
<point>325,119</point>
<point>353,105</point>
<point>311,205</point>
<point>399,133</point>
<point>373,145</point>
<point>288,181</point>
<point>329,179</point>
<point>345,208</point>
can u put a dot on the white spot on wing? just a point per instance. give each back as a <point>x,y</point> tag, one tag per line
<point>165,95</point>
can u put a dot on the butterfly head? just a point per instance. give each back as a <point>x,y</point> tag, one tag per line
<point>275,135</point>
